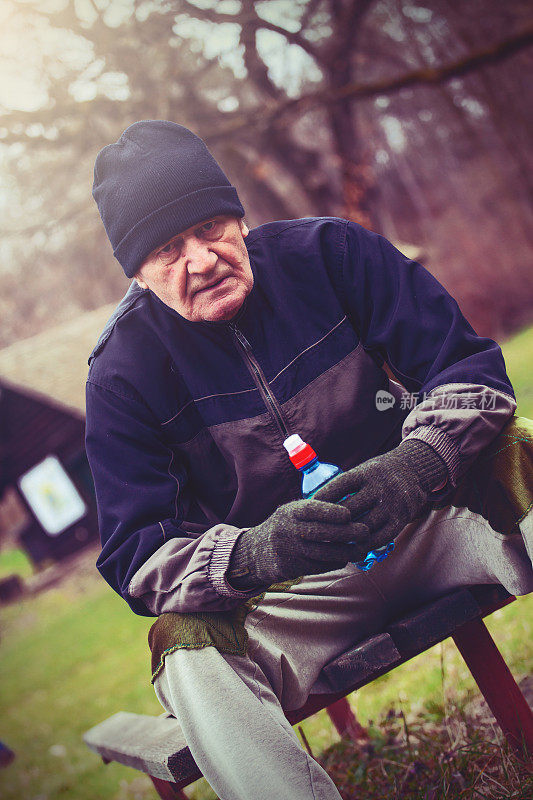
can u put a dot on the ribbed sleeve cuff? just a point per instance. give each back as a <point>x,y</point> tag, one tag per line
<point>219,563</point>
<point>443,444</point>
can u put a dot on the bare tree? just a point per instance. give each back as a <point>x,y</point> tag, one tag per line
<point>316,140</point>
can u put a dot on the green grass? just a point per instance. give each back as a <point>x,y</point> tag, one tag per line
<point>75,654</point>
<point>70,657</point>
<point>412,758</point>
<point>15,562</point>
<point>518,354</point>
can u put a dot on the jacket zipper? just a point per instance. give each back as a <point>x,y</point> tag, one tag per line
<point>260,380</point>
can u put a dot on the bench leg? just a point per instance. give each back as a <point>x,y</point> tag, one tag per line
<point>345,721</point>
<point>166,790</point>
<point>497,684</point>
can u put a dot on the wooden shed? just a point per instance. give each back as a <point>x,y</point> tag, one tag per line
<point>42,430</point>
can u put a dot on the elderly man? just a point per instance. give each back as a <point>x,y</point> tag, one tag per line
<point>227,342</point>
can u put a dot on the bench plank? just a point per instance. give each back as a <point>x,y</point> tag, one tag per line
<point>155,745</point>
<point>431,624</point>
<point>361,663</point>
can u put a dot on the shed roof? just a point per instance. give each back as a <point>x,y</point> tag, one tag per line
<point>53,363</point>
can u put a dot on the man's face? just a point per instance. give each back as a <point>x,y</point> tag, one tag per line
<point>202,273</point>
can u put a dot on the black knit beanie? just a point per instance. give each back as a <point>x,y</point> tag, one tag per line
<point>157,180</point>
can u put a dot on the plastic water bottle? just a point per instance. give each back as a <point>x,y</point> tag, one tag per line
<point>317,473</point>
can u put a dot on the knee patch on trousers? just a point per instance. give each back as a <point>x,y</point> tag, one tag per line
<point>173,631</point>
<point>221,629</point>
<point>498,484</point>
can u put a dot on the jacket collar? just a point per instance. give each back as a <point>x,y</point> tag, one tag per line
<point>130,298</point>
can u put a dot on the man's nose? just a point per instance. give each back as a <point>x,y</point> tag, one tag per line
<point>198,256</point>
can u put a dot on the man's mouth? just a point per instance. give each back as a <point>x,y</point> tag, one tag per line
<point>212,285</point>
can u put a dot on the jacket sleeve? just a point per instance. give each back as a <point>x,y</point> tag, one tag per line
<point>142,496</point>
<point>457,386</point>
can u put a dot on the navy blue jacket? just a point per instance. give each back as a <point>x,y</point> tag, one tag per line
<point>186,420</point>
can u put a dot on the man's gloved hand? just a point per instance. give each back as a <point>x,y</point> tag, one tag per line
<point>303,537</point>
<point>390,490</point>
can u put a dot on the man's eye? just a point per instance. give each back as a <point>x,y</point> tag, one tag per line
<point>169,250</point>
<point>212,228</point>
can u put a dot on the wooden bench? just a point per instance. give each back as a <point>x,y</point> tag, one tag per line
<point>156,745</point>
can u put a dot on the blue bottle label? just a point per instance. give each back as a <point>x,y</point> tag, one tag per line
<point>317,474</point>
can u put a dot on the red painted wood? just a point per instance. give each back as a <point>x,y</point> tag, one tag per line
<point>314,703</point>
<point>497,684</point>
<point>167,790</point>
<point>345,721</point>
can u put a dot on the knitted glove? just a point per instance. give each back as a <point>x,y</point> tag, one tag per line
<point>302,537</point>
<point>390,490</point>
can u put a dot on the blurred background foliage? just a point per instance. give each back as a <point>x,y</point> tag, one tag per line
<point>410,117</point>
<point>407,116</point>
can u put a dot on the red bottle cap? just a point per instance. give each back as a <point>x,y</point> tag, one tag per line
<point>300,453</point>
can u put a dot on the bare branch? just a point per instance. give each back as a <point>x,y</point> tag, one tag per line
<point>310,8</point>
<point>425,76</point>
<point>355,15</point>
<point>247,16</point>
<point>257,69</point>
<point>209,13</point>
<point>335,8</point>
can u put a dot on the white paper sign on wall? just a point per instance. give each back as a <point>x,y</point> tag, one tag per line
<point>52,496</point>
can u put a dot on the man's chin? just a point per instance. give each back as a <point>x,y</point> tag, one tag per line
<point>224,315</point>
<point>221,310</point>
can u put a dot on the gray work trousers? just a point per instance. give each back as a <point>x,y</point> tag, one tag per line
<point>231,707</point>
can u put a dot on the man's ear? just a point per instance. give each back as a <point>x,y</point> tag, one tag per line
<point>140,281</point>
<point>244,228</point>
